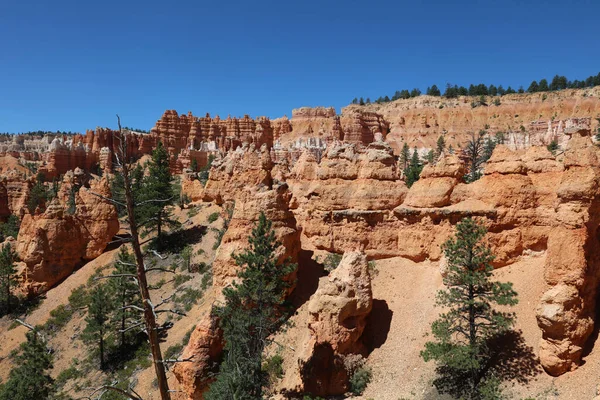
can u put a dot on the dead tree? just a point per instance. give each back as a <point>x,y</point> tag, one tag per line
<point>148,308</point>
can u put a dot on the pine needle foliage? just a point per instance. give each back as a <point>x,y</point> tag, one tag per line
<point>30,378</point>
<point>463,331</point>
<point>254,309</point>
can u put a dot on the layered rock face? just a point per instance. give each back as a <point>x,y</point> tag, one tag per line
<point>340,202</point>
<point>54,243</point>
<point>525,119</point>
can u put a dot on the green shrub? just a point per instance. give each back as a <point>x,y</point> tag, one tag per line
<point>173,351</point>
<point>213,217</point>
<point>78,297</point>
<point>360,379</point>
<point>273,367</point>
<point>332,261</point>
<point>59,317</point>
<point>206,280</point>
<point>192,212</point>
<point>181,279</point>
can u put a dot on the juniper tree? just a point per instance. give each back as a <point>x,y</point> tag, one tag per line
<point>97,320</point>
<point>29,379</point>
<point>254,309</point>
<point>8,277</point>
<point>463,331</point>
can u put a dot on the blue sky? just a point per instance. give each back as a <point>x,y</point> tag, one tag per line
<point>72,65</point>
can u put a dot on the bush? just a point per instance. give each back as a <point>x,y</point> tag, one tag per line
<point>173,351</point>
<point>332,261</point>
<point>192,212</point>
<point>213,217</point>
<point>273,368</point>
<point>360,379</point>
<point>180,279</point>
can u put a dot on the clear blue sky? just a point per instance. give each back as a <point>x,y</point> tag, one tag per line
<point>72,65</point>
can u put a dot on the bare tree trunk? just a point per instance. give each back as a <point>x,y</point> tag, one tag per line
<point>149,315</point>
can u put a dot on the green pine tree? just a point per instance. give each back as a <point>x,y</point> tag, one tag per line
<point>405,156</point>
<point>474,153</point>
<point>488,148</point>
<point>413,172</point>
<point>463,331</point>
<point>253,310</point>
<point>440,146</point>
<point>29,378</point>
<point>124,293</point>
<point>10,227</point>
<point>8,277</point>
<point>97,321</point>
<point>158,187</point>
<point>38,195</point>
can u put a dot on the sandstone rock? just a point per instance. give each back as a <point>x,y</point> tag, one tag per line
<point>337,315</point>
<point>274,203</point>
<point>204,349</point>
<point>54,243</point>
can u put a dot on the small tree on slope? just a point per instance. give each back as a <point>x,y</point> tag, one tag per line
<point>30,379</point>
<point>462,332</point>
<point>99,309</point>
<point>253,311</point>
<point>8,277</point>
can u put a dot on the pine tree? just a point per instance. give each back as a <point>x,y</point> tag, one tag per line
<point>10,228</point>
<point>543,86</point>
<point>488,148</point>
<point>430,156</point>
<point>253,311</point>
<point>194,165</point>
<point>415,92</point>
<point>29,378</point>
<point>405,156</point>
<point>440,146</point>
<point>433,91</point>
<point>533,87</point>
<point>37,195</point>
<point>361,101</point>
<point>158,188</point>
<point>8,277</point>
<point>99,308</point>
<point>462,333</point>
<point>414,169</point>
<point>474,156</point>
<point>125,293</point>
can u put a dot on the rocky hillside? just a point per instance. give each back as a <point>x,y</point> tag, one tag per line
<point>334,189</point>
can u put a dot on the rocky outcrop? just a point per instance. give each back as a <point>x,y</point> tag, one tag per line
<point>345,201</point>
<point>54,243</point>
<point>330,336</point>
<point>204,350</point>
<point>248,206</point>
<point>244,167</point>
<point>567,310</point>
